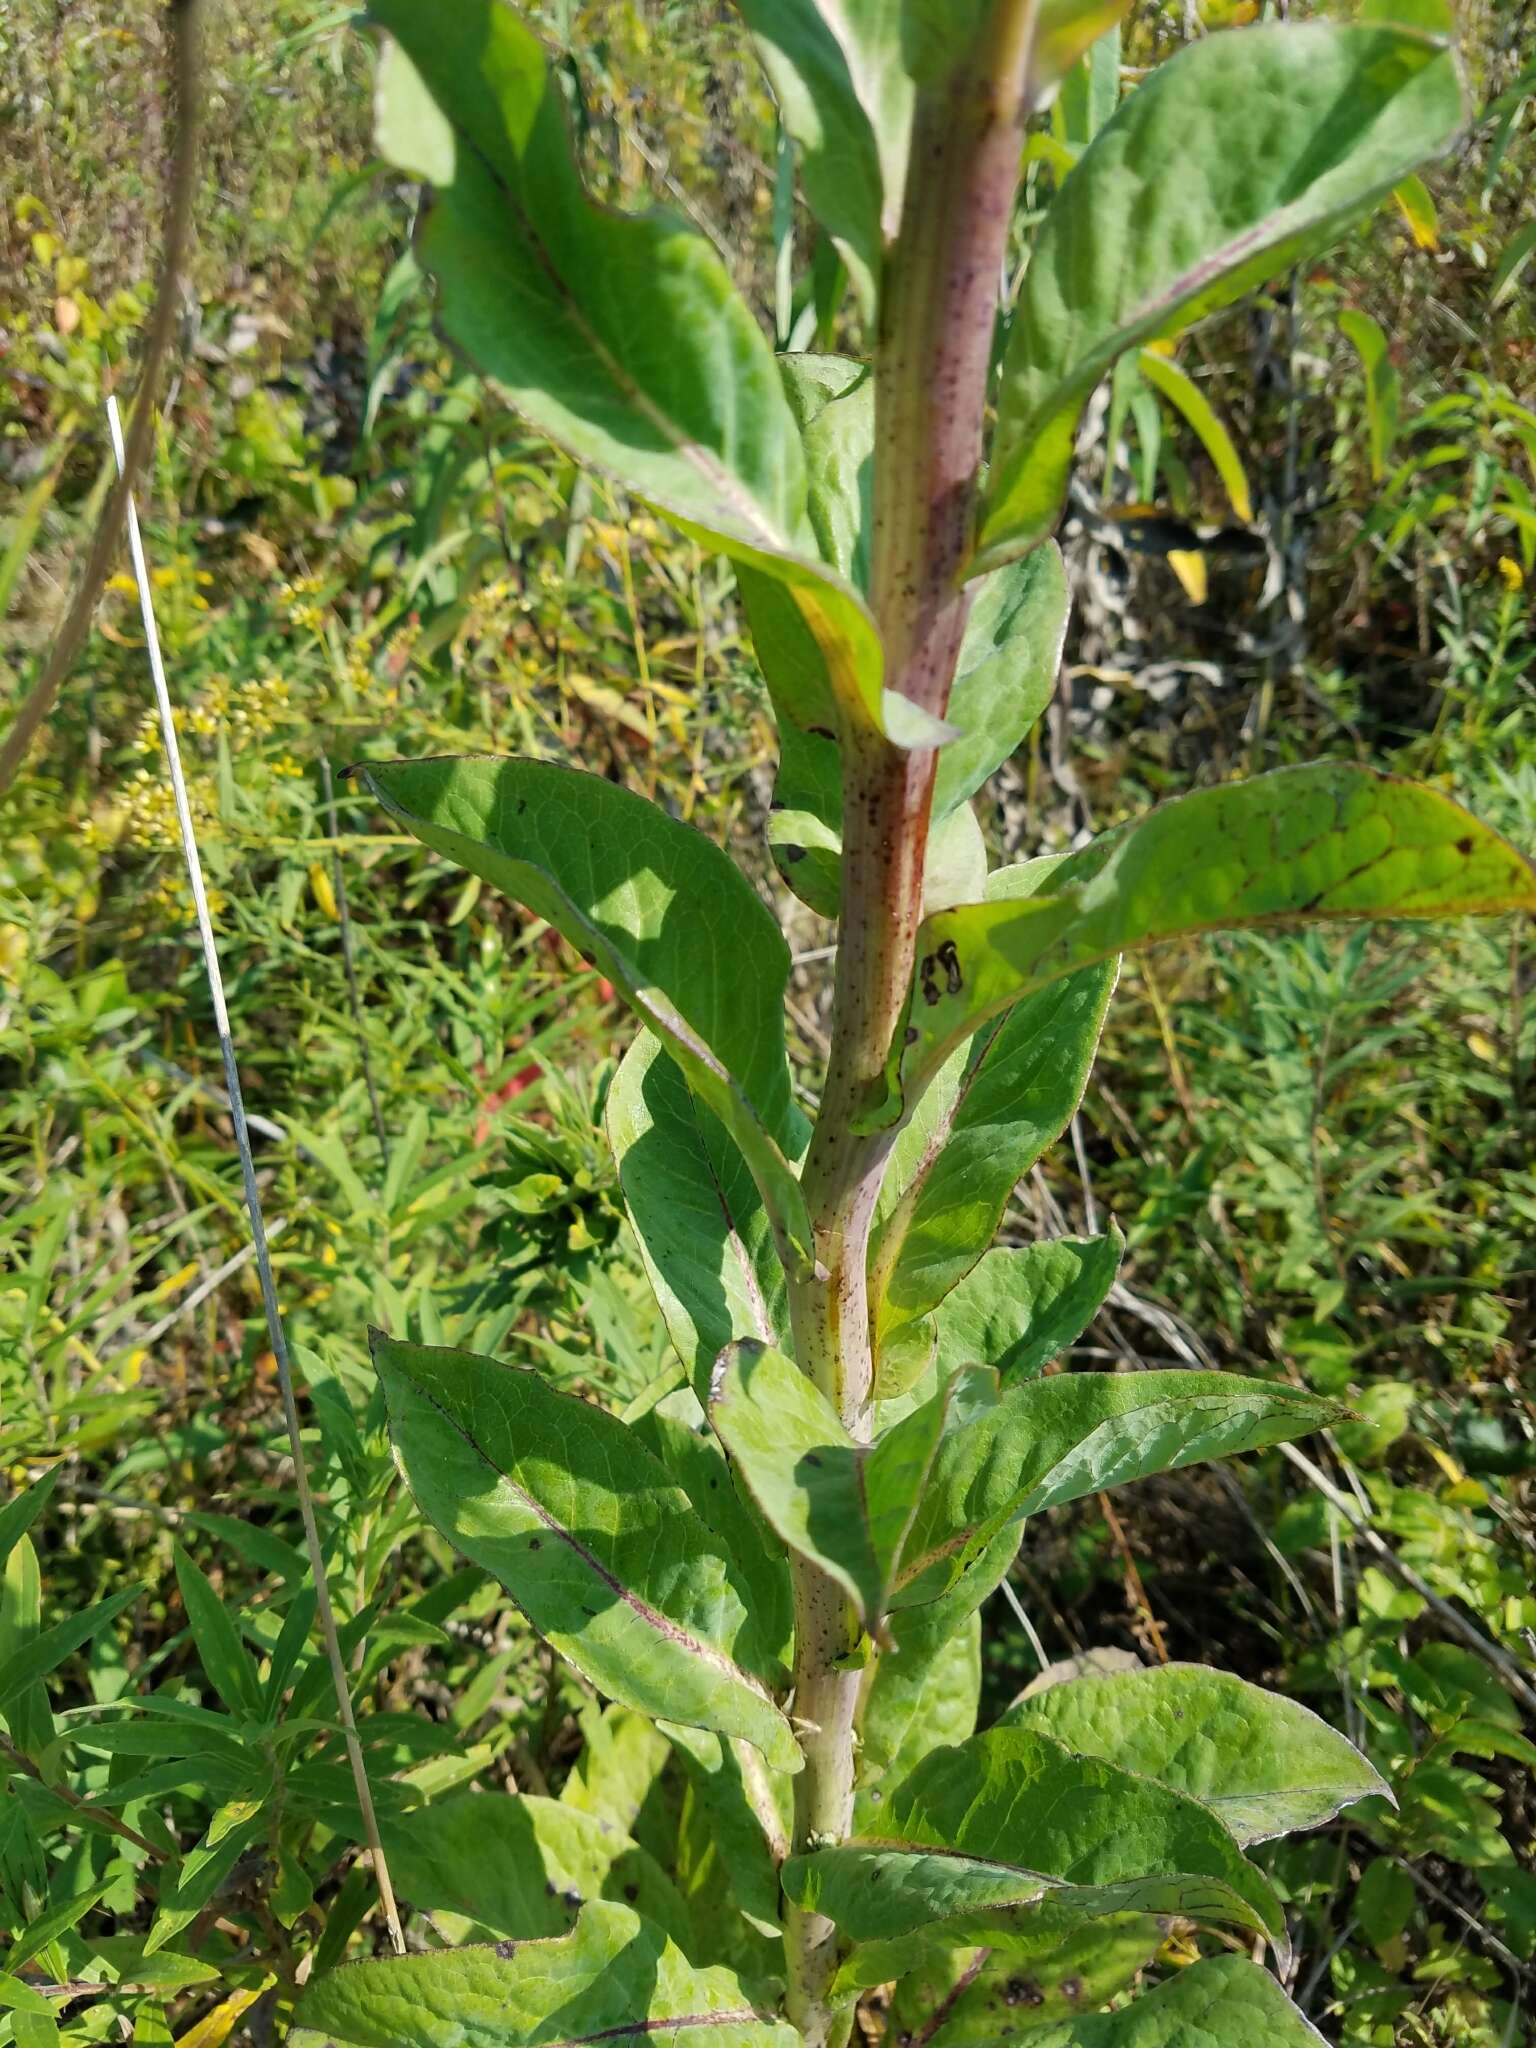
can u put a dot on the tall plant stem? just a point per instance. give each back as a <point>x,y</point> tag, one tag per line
<point>938,308</point>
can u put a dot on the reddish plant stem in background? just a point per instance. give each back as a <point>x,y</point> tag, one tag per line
<point>939,306</point>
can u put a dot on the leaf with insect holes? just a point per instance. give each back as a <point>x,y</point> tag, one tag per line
<point>1022,1081</point>
<point>615,1976</point>
<point>1021,1306</point>
<point>620,336</point>
<point>1037,1446</point>
<point>846,1506</point>
<point>1322,843</point>
<point>1220,2000</point>
<point>661,910</point>
<point>519,1865</point>
<point>599,1548</point>
<point>964,1998</point>
<point>1262,1764</point>
<point>699,1220</point>
<point>1245,152</point>
<point>1010,1833</point>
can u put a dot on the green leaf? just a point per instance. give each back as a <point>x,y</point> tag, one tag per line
<point>1017,1309</point>
<point>226,1662</point>
<point>195,1880</point>
<point>846,1506</point>
<point>30,1718</point>
<point>45,1652</point>
<point>1022,1082</point>
<point>1513,257</point>
<point>1242,154</point>
<point>925,1691</point>
<point>1066,32</point>
<point>1198,414</point>
<point>1050,1441</point>
<point>1009,1833</point>
<point>613,1977</point>
<point>1324,842</point>
<point>744,1817</point>
<point>957,1998</point>
<point>660,909</point>
<point>598,1547</point>
<point>1385,1899</point>
<point>48,1926</point>
<point>703,1232</point>
<point>1223,1999</point>
<point>1383,386</point>
<point>23,1509</point>
<point>523,1866</point>
<point>1262,1764</point>
<point>620,336</point>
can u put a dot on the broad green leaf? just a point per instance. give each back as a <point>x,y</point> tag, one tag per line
<point>620,1766</point>
<point>1050,1441</point>
<point>523,1866</point>
<point>703,1232</point>
<point>43,1653</point>
<point>621,336</point>
<point>677,1432</point>
<point>1240,155</point>
<point>749,1821</point>
<point>663,911</point>
<point>1017,1309</point>
<point>587,1532</point>
<point>1090,91</point>
<point>227,1664</point>
<point>1009,1833</point>
<point>1383,386</point>
<point>925,1691</point>
<point>846,98</point>
<point>1220,2000</point>
<point>1262,1764</point>
<point>612,1978</point>
<point>1022,1082</point>
<point>1198,414</point>
<point>958,1998</point>
<point>1328,841</point>
<point>847,1506</point>
<point>23,1509</point>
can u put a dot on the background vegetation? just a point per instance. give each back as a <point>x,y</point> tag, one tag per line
<point>1319,1147</point>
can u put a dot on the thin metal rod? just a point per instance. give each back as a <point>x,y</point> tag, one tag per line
<point>324,1611</point>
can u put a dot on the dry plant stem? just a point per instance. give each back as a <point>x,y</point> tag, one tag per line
<point>932,360</point>
<point>71,636</point>
<point>325,1614</point>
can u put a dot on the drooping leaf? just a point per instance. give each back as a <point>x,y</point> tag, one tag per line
<point>1017,1309</point>
<point>964,1998</point>
<point>1243,153</point>
<point>1223,1998</point>
<point>1021,1084</point>
<point>925,1691</point>
<point>663,911</point>
<point>587,1532</point>
<point>523,1866</point>
<point>1050,1441</point>
<point>1010,1833</point>
<point>1323,842</point>
<point>1197,412</point>
<point>613,1977</point>
<point>677,1431</point>
<point>846,1506</point>
<point>703,1232</point>
<point>1383,386</point>
<point>621,336</point>
<point>1264,1765</point>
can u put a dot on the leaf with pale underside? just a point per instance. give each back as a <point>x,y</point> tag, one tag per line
<point>1050,1441</point>
<point>1242,154</point>
<point>1009,1833</point>
<point>1264,1765</point>
<point>520,1865</point>
<point>1020,1307</point>
<point>703,1232</point>
<point>661,910</point>
<point>1321,843</point>
<point>588,1533</point>
<point>620,336</point>
<point>846,1506</point>
<point>614,1976</point>
<point>1222,2000</point>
